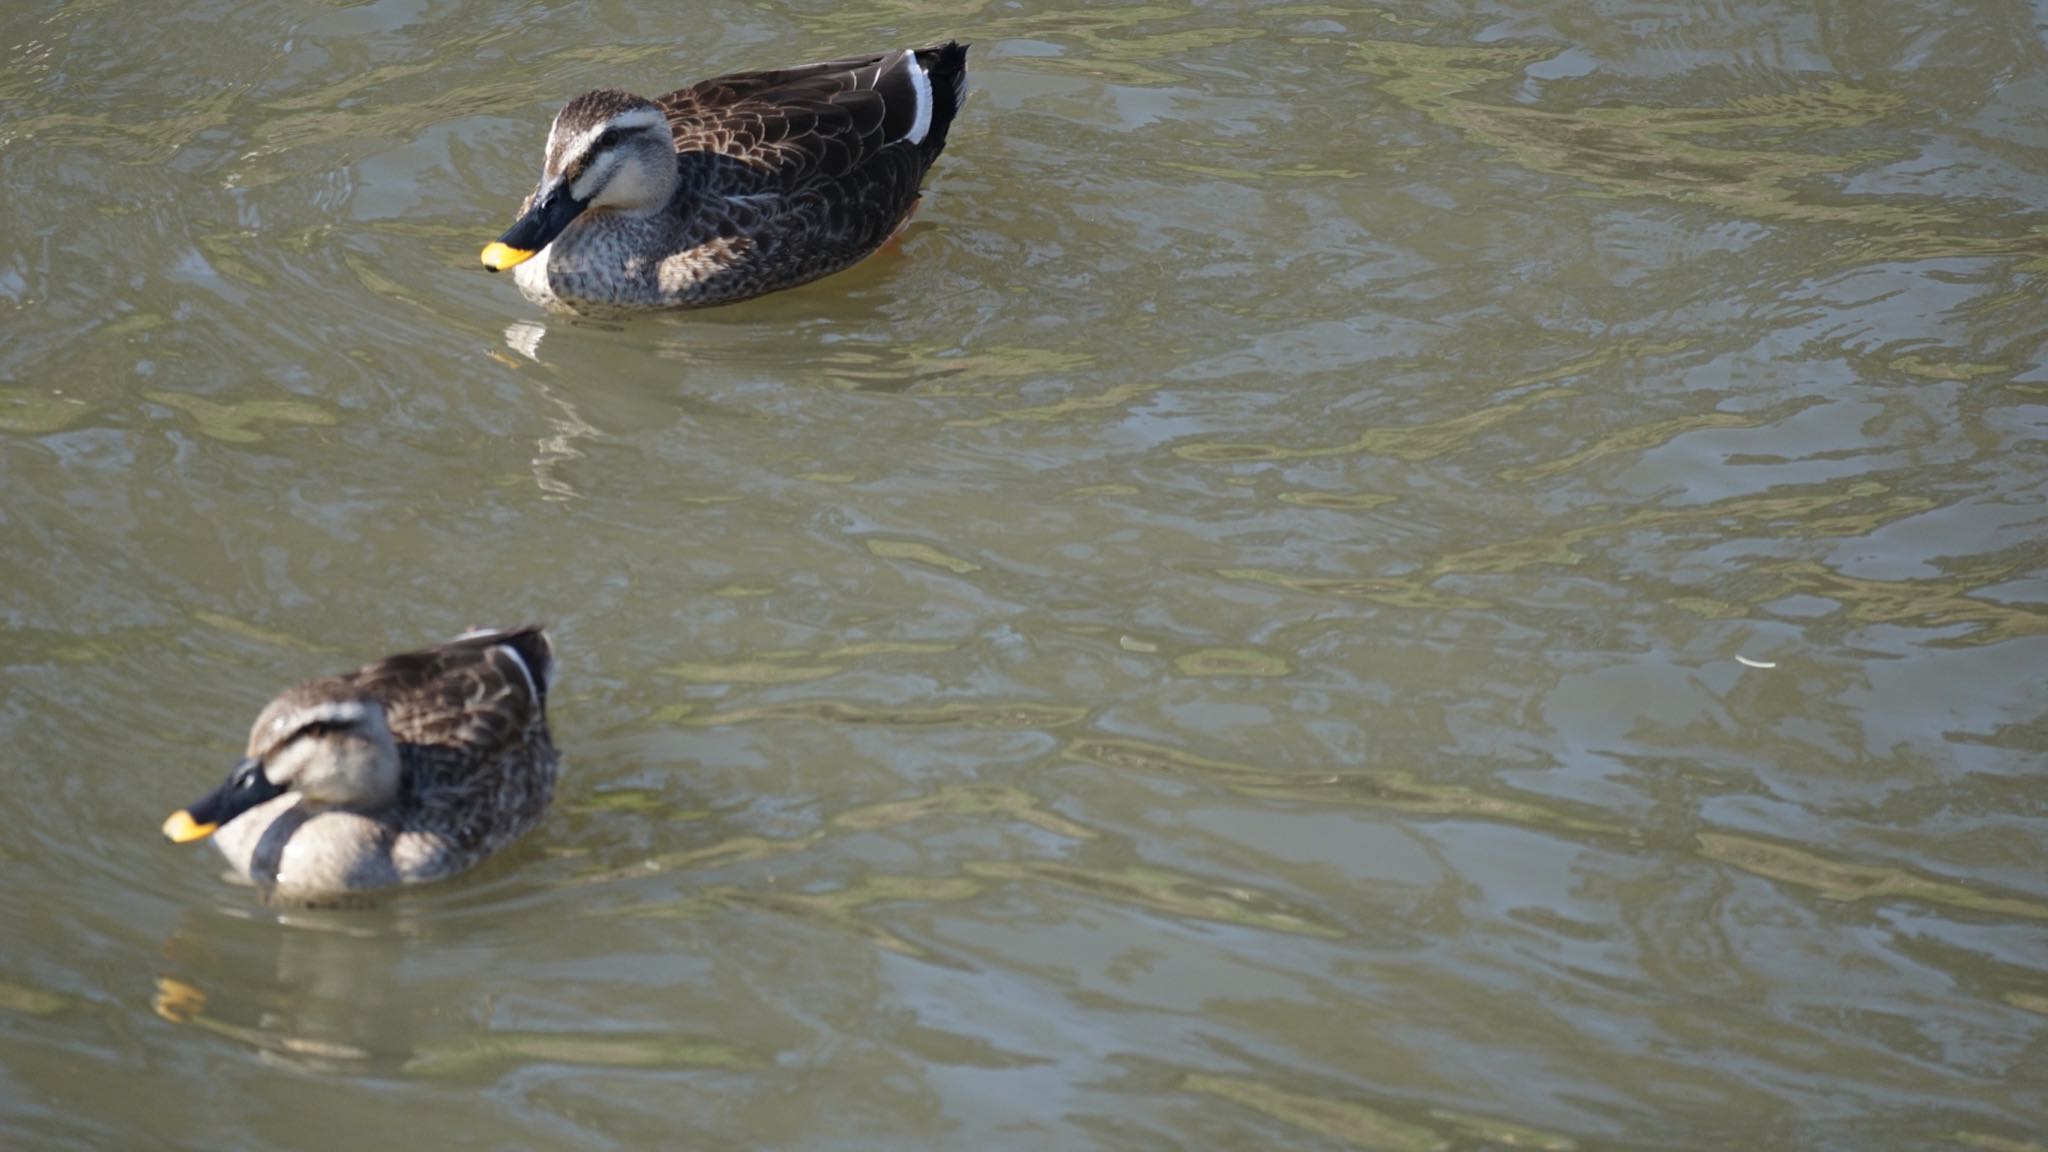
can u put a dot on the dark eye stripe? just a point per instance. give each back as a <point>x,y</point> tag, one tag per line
<point>606,139</point>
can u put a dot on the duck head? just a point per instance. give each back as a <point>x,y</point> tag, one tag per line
<point>607,151</point>
<point>333,753</point>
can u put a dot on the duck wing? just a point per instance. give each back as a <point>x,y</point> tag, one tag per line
<point>827,120</point>
<point>471,698</point>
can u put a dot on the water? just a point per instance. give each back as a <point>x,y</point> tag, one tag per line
<point>1406,577</point>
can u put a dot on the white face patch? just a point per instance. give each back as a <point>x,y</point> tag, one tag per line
<point>617,178</point>
<point>343,712</point>
<point>595,177</point>
<point>632,119</point>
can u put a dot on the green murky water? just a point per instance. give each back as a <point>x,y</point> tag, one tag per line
<point>1419,576</point>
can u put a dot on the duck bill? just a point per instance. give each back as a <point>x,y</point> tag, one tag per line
<point>242,791</point>
<point>534,231</point>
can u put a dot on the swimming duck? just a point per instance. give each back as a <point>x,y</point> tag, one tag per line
<point>411,769</point>
<point>733,187</point>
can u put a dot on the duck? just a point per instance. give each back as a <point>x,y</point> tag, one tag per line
<point>733,187</point>
<point>408,770</point>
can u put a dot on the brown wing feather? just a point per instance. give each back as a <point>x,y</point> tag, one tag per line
<point>794,124</point>
<point>472,735</point>
<point>468,694</point>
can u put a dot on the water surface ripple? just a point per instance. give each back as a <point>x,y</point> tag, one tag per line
<point>1412,576</point>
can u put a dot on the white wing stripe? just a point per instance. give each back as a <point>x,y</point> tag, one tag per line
<point>532,688</point>
<point>921,84</point>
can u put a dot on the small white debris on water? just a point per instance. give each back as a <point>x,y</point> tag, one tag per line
<point>1748,663</point>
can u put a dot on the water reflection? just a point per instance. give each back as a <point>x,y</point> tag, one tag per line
<point>313,991</point>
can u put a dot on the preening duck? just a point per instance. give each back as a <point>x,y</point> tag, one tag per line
<point>411,769</point>
<point>733,187</point>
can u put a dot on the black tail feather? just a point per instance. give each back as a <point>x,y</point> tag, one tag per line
<point>946,65</point>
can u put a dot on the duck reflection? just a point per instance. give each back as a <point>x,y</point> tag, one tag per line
<point>315,991</point>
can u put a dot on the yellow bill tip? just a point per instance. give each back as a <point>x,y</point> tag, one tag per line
<point>181,828</point>
<point>498,256</point>
<point>177,1001</point>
